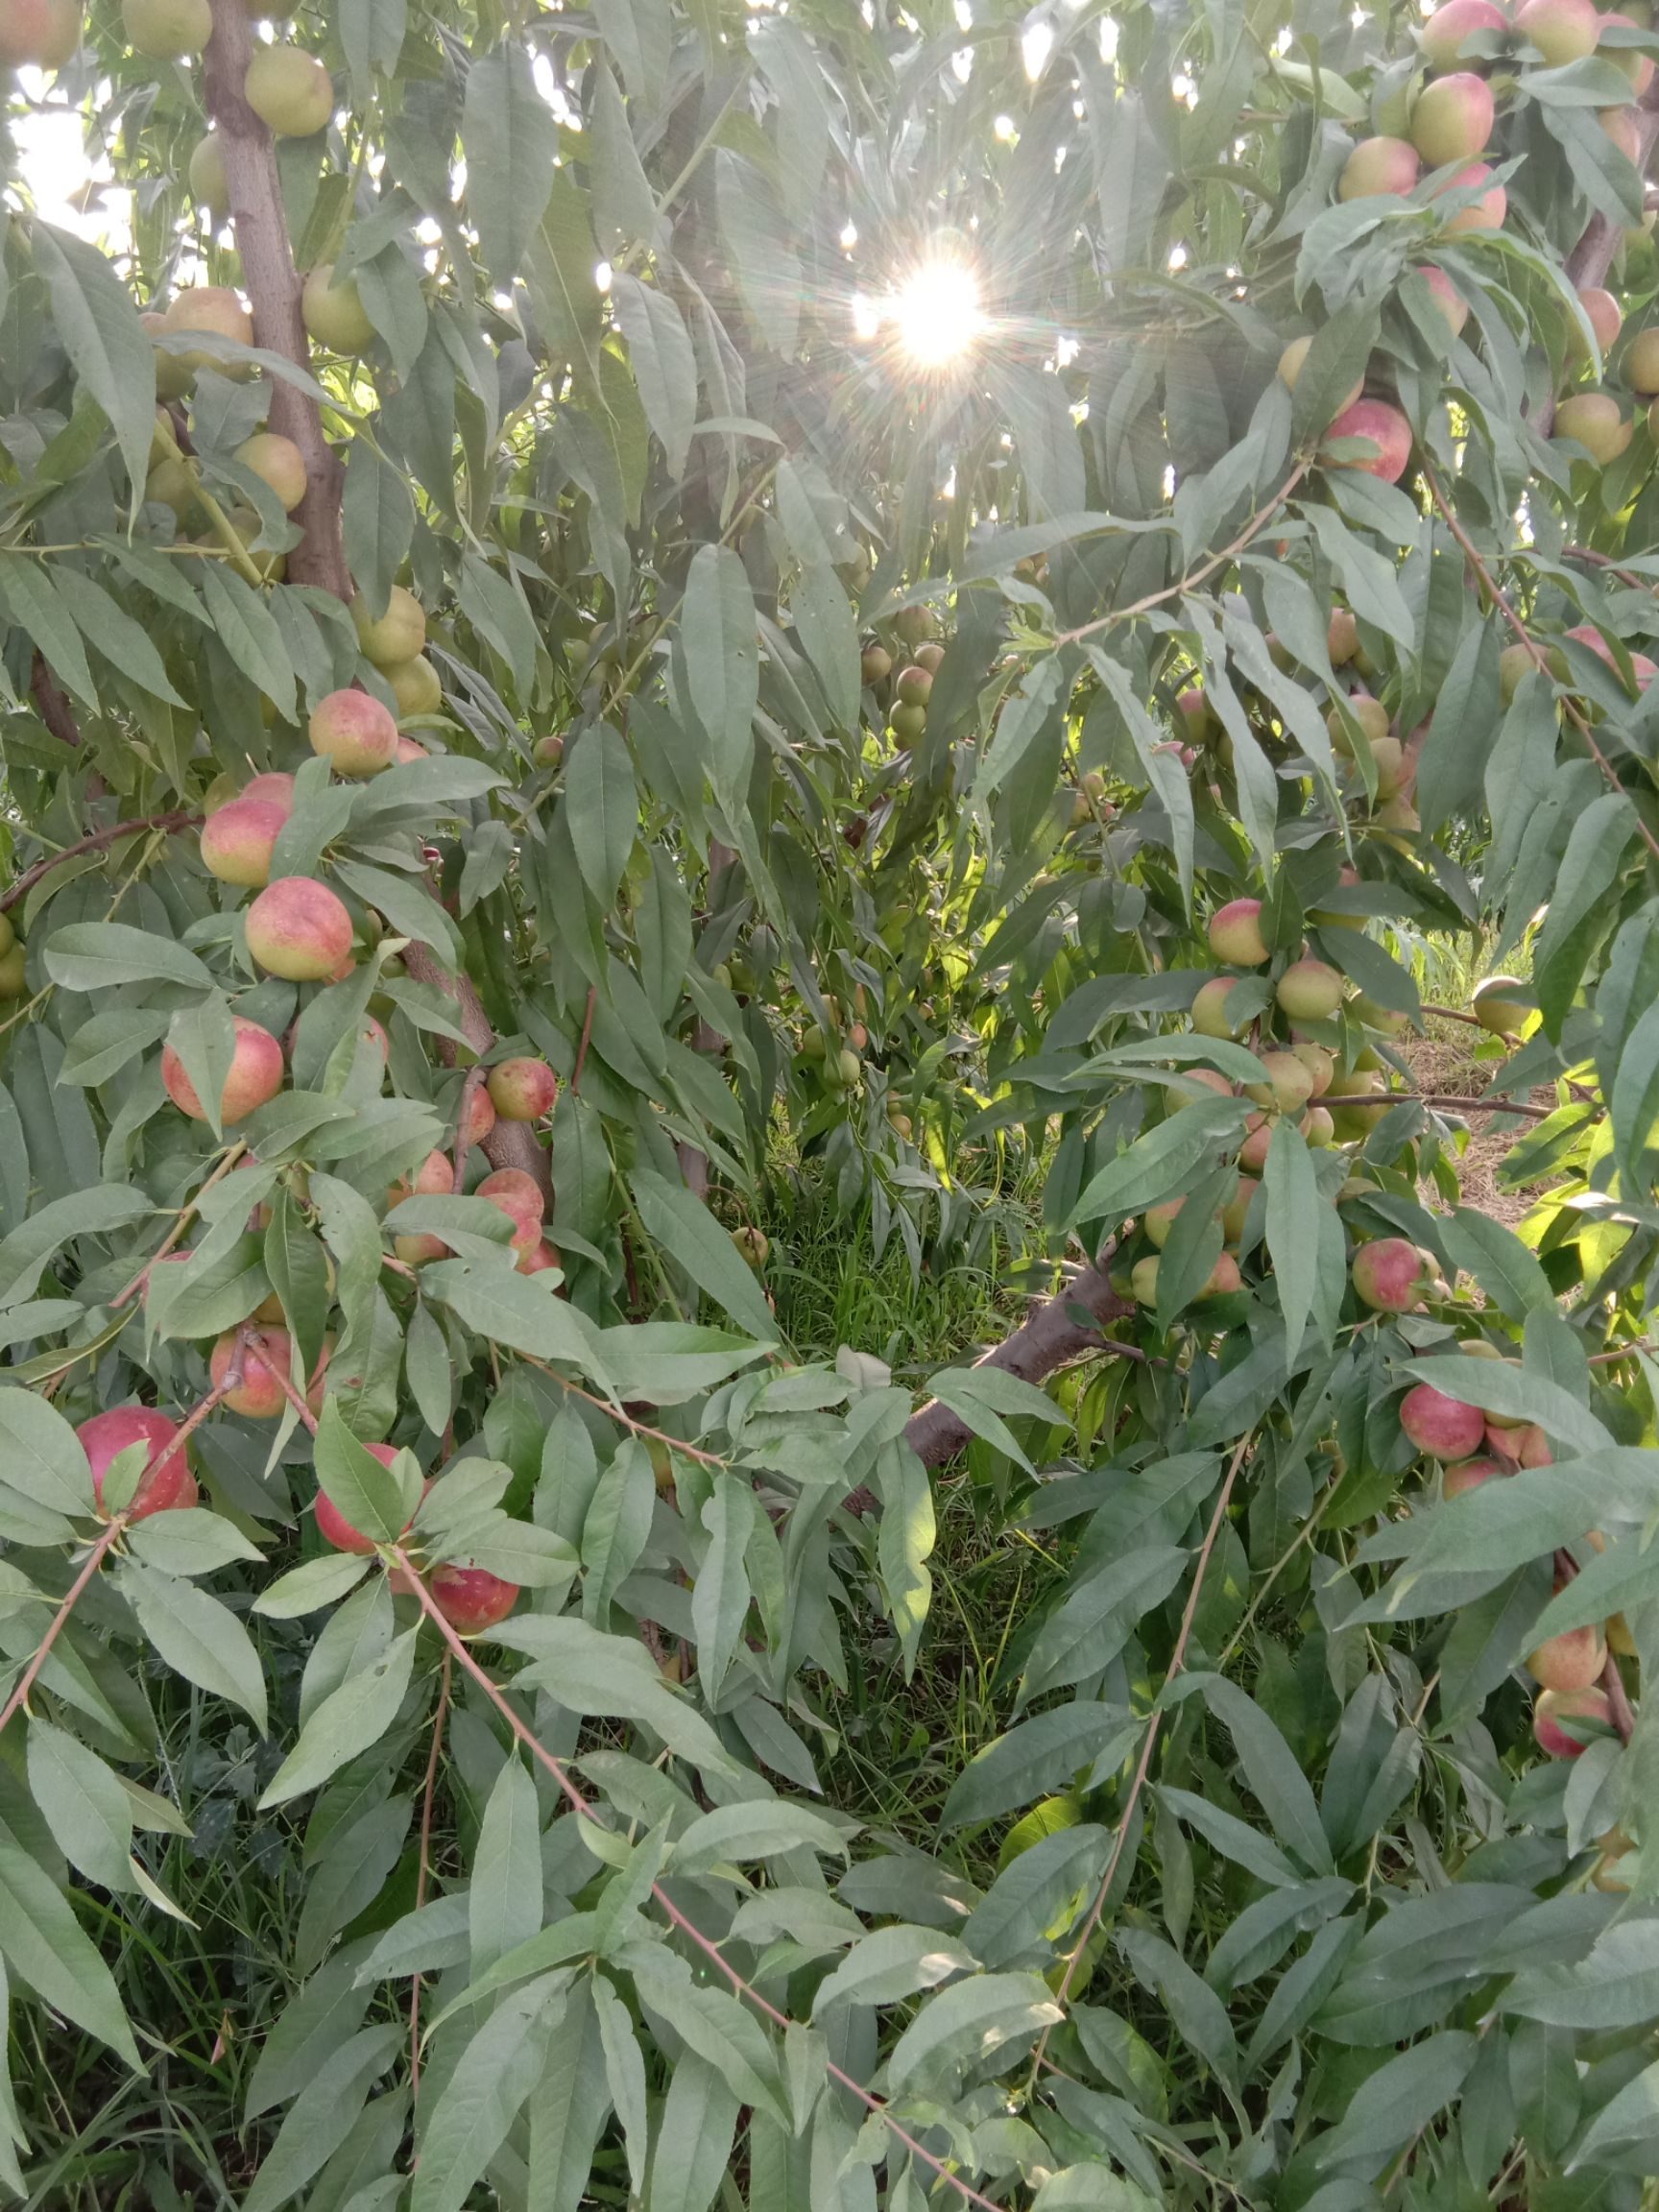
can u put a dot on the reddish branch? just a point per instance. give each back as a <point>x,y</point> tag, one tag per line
<point>427,1800</point>
<point>56,710</point>
<point>184,819</point>
<point>273,287</point>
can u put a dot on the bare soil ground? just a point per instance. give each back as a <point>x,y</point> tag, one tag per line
<point>1445,1065</point>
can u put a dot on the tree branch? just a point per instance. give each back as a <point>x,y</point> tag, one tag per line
<point>184,819</point>
<point>53,702</point>
<point>273,287</point>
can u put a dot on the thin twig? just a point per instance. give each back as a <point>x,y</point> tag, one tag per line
<point>1256,523</point>
<point>187,1214</point>
<point>1613,1683</point>
<point>422,1869</point>
<point>587,1033</point>
<point>1437,1099</point>
<point>181,819</point>
<point>624,1419</point>
<point>1142,1766</point>
<point>709,1949</point>
<point>1524,636</point>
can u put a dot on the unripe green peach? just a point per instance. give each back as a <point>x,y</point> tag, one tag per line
<point>416,687</point>
<point>167,30</point>
<point>1453,118</point>
<point>42,34</point>
<point>1378,165</point>
<point>1209,1009</point>
<point>1286,1084</point>
<point>1562,30</point>
<point>1388,758</point>
<point>1318,1128</point>
<point>913,685</point>
<point>1291,366</point>
<point>1320,1063</point>
<point>209,186</point>
<point>1143,1282</point>
<point>1236,933</point>
<point>1158,1220</point>
<point>237,842</point>
<point>1500,1004</point>
<point>275,460</point>
<point>930,655</point>
<point>848,1069</point>
<point>8,935</point>
<point>298,930</point>
<point>875,664</point>
<point>1640,362</point>
<point>1310,990</point>
<point>1515,663</point>
<point>214,311</point>
<point>909,723</point>
<point>398,635</point>
<point>333,312</point>
<point>916,624</point>
<point>751,1246</point>
<point>173,483</point>
<point>1370,713</point>
<point>1222,1278</point>
<point>1238,1206</point>
<point>522,1090</point>
<point>12,984</point>
<point>1341,636</point>
<point>354,732</point>
<point>290,91</point>
<point>1398,813</point>
<point>256,1075</point>
<point>1598,422</point>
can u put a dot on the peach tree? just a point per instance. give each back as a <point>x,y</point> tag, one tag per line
<point>614,615</point>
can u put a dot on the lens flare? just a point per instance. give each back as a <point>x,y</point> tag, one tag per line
<point>935,313</point>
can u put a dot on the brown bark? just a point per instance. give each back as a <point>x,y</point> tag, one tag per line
<point>1052,1334</point>
<point>53,702</point>
<point>273,287</point>
<point>510,1143</point>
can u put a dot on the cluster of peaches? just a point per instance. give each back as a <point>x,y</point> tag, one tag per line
<point>470,1598</point>
<point>1448,129</point>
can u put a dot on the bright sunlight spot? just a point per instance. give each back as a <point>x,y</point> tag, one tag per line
<point>936,313</point>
